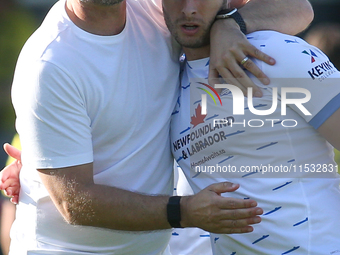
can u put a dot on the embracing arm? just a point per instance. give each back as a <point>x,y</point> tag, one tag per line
<point>285,16</point>
<point>230,47</point>
<point>82,202</point>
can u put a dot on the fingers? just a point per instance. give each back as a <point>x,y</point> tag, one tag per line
<point>234,74</point>
<point>240,230</point>
<point>5,174</point>
<point>9,180</point>
<point>11,187</point>
<point>223,187</point>
<point>13,193</point>
<point>213,76</point>
<point>235,226</point>
<point>212,212</point>
<point>12,151</point>
<point>226,61</point>
<point>254,69</point>
<point>256,53</point>
<point>238,72</point>
<point>15,199</point>
<point>11,171</point>
<point>235,203</point>
<point>238,214</point>
<point>229,78</point>
<point>243,81</point>
<point>238,221</point>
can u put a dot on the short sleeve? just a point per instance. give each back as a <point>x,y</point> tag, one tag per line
<point>52,121</point>
<point>300,65</point>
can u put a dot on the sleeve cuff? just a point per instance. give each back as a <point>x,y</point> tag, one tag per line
<point>325,112</point>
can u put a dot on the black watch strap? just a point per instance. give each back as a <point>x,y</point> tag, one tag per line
<point>174,212</point>
<point>227,13</point>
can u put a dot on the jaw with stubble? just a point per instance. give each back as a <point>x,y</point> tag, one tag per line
<point>200,39</point>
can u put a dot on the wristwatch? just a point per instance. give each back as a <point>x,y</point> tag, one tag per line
<point>227,13</point>
<point>174,212</point>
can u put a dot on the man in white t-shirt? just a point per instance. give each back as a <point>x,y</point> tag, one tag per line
<point>295,178</point>
<point>93,99</point>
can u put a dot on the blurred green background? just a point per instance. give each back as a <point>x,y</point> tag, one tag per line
<point>18,20</point>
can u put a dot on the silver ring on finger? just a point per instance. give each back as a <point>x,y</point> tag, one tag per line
<point>244,60</point>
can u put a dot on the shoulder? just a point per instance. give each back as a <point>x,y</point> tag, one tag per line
<point>54,24</point>
<point>295,58</point>
<point>272,41</point>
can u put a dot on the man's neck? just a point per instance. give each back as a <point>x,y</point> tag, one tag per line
<point>197,53</point>
<point>95,19</point>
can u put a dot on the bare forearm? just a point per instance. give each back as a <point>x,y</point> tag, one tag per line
<point>124,210</point>
<point>119,209</point>
<point>285,16</point>
<point>82,202</point>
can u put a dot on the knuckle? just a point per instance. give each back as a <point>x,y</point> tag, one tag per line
<point>227,54</point>
<point>251,221</point>
<point>226,184</point>
<point>234,49</point>
<point>249,65</point>
<point>210,219</point>
<point>215,202</point>
<point>239,75</point>
<point>224,56</point>
<point>258,53</point>
<point>250,213</point>
<point>231,204</point>
<point>219,66</point>
<point>233,224</point>
<point>234,214</point>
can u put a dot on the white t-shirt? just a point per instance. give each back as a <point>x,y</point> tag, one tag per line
<point>300,213</point>
<point>83,98</point>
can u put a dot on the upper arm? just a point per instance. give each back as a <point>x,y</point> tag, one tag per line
<point>305,14</point>
<point>289,16</point>
<point>69,189</point>
<point>51,117</point>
